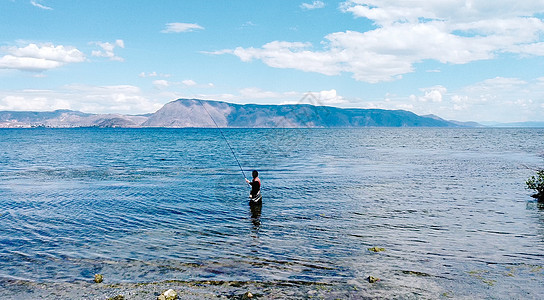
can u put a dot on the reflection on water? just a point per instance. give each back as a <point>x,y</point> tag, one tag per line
<point>255,208</point>
<point>145,206</point>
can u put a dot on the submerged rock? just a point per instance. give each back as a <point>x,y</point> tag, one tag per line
<point>376,249</point>
<point>247,295</point>
<point>538,196</point>
<point>168,295</point>
<point>373,279</point>
<point>416,273</point>
<point>118,297</point>
<point>98,278</point>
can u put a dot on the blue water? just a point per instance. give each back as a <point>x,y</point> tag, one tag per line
<point>151,205</point>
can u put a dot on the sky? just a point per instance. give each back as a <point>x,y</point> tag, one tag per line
<point>464,60</point>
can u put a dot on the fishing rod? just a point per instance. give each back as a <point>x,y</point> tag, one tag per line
<point>228,144</point>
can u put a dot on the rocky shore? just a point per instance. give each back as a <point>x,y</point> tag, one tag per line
<point>183,290</point>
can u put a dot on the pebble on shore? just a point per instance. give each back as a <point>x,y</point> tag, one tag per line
<point>98,278</point>
<point>168,295</point>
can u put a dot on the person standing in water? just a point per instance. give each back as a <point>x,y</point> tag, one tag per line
<point>255,186</point>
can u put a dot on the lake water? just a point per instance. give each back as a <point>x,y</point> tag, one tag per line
<point>151,209</point>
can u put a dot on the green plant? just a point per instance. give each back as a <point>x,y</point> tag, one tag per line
<point>536,182</point>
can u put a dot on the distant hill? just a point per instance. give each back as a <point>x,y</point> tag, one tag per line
<point>194,113</point>
<point>462,124</point>
<point>191,113</point>
<point>517,124</point>
<point>67,119</point>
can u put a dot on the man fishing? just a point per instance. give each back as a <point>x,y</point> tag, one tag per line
<point>255,194</point>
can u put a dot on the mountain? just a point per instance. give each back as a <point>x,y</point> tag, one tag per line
<point>196,113</point>
<point>461,124</point>
<point>190,113</point>
<point>67,119</point>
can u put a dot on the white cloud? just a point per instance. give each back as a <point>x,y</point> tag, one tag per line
<point>38,58</point>
<point>92,99</point>
<point>433,94</point>
<point>385,12</point>
<point>257,93</point>
<point>120,43</point>
<point>153,74</point>
<point>117,98</point>
<point>161,83</point>
<point>497,99</point>
<point>291,55</point>
<point>18,103</point>
<point>189,82</point>
<point>108,50</point>
<point>498,87</point>
<point>144,74</point>
<point>326,97</point>
<point>181,27</point>
<point>330,97</point>
<point>248,24</point>
<point>405,106</point>
<point>313,5</point>
<point>218,52</point>
<point>37,4</point>
<point>410,32</point>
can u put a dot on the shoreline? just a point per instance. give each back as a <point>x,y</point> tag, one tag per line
<point>200,289</point>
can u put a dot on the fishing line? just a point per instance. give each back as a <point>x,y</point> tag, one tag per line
<point>228,144</point>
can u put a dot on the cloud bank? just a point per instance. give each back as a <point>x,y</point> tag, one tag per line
<point>511,98</point>
<point>410,32</point>
<point>37,58</point>
<point>126,99</point>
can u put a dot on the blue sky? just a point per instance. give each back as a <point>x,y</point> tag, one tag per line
<point>468,60</point>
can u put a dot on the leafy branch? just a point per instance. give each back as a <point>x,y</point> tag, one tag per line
<point>536,182</point>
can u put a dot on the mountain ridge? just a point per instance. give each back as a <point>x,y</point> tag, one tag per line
<point>183,112</point>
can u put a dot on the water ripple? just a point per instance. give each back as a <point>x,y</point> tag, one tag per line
<point>140,206</point>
